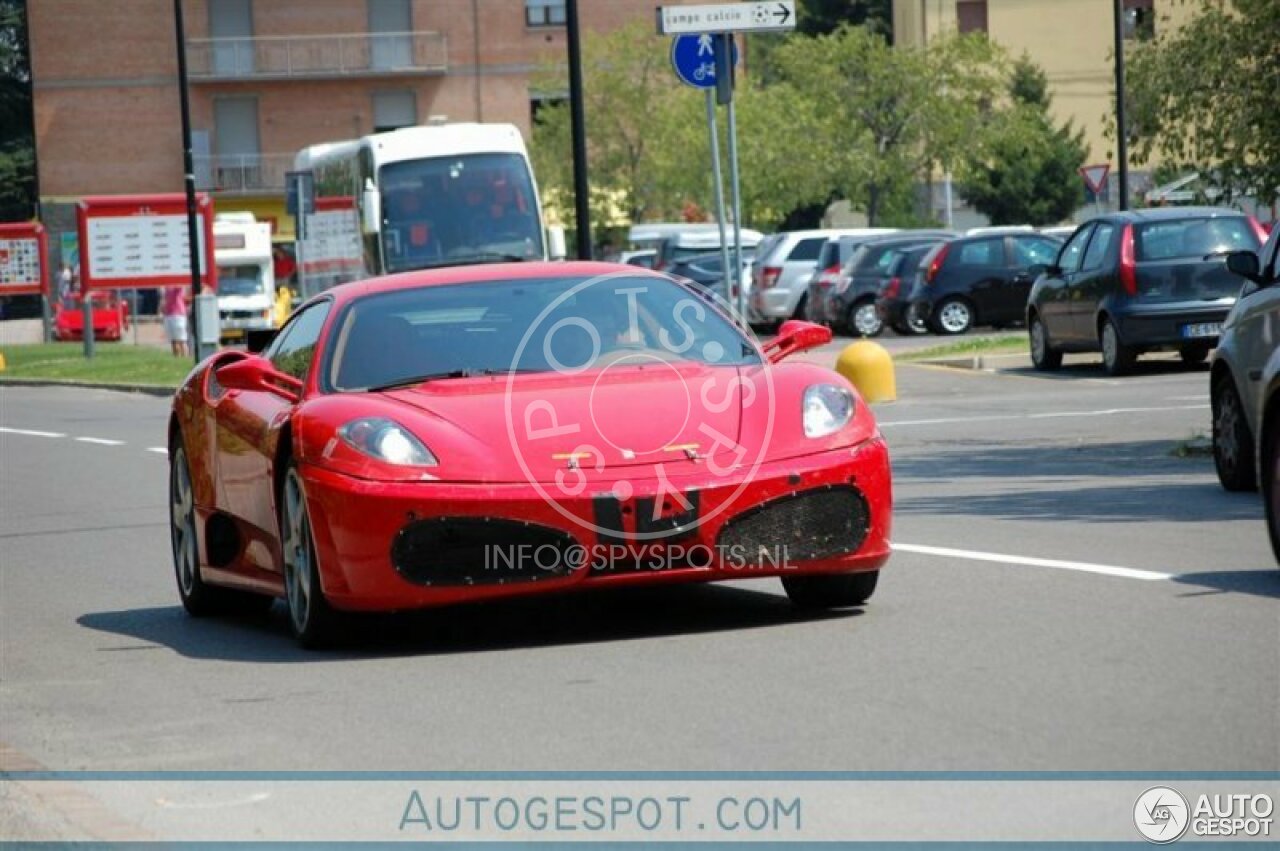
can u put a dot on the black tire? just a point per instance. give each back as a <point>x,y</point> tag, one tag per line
<point>314,622</point>
<point>802,308</point>
<point>1194,354</point>
<point>198,597</point>
<point>1271,483</point>
<point>952,316</point>
<point>1117,358</point>
<point>833,591</point>
<point>1233,453</point>
<point>1044,356</point>
<point>863,320</point>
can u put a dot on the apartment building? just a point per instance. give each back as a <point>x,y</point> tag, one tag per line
<point>267,78</point>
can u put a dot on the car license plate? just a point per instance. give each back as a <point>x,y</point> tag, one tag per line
<point>1202,329</point>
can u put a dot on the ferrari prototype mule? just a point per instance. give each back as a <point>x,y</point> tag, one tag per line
<point>469,433</point>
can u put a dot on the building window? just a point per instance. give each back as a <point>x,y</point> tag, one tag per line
<point>544,13</point>
<point>394,109</point>
<point>1139,19</point>
<point>971,16</point>
<point>237,161</point>
<point>231,26</point>
<point>390,45</point>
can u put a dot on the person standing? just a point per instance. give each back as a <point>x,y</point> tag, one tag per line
<point>175,320</point>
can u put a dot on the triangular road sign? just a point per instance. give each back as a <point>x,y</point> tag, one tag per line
<point>1095,176</point>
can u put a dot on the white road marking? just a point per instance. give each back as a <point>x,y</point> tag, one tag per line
<point>1198,398</point>
<point>1105,412</point>
<point>100,441</point>
<point>160,449</point>
<point>30,432</point>
<point>1086,567</point>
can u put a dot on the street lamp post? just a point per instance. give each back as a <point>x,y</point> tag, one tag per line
<point>581,201</point>
<point>1122,129</point>
<point>189,172</point>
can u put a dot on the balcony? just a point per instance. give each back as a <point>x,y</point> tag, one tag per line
<point>317,57</point>
<point>242,174</point>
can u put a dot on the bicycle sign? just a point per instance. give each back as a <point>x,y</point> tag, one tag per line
<point>694,61</point>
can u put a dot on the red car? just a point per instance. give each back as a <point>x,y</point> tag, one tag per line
<point>110,317</point>
<point>471,433</point>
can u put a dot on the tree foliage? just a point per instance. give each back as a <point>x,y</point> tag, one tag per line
<point>1030,171</point>
<point>17,134</point>
<point>820,17</point>
<point>1202,96</point>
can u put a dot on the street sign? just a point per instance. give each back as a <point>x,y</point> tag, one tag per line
<point>1095,177</point>
<point>299,186</point>
<point>140,241</point>
<point>24,259</point>
<point>693,57</point>
<point>772,16</point>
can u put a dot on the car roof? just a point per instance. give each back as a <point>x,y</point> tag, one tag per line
<point>1157,214</point>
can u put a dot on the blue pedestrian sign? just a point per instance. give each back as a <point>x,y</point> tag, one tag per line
<point>693,56</point>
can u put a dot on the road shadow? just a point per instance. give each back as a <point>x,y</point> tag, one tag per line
<point>594,616</point>
<point>1258,583</point>
<point>953,459</point>
<point>1182,502</point>
<point>1093,369</point>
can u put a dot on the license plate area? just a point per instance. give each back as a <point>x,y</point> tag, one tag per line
<point>1198,330</point>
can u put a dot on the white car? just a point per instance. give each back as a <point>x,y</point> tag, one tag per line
<point>784,264</point>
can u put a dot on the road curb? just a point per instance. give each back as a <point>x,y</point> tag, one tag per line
<point>145,389</point>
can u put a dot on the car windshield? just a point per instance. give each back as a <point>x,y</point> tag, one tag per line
<point>1177,239</point>
<point>239,280</point>
<point>454,210</point>
<point>566,325</point>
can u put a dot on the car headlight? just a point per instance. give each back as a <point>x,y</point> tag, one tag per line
<point>827,409</point>
<point>387,440</point>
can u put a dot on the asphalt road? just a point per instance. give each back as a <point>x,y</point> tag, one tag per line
<point>1068,594</point>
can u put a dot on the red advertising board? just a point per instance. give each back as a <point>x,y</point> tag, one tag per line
<point>129,241</point>
<point>24,259</point>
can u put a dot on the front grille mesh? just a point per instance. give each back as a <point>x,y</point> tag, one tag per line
<point>813,524</point>
<point>451,551</point>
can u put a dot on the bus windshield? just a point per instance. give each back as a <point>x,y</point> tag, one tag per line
<point>454,210</point>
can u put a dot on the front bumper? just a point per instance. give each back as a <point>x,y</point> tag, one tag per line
<point>358,524</point>
<point>1162,325</point>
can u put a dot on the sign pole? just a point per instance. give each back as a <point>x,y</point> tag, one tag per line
<point>736,195</point>
<point>719,179</point>
<point>86,311</point>
<point>189,176</point>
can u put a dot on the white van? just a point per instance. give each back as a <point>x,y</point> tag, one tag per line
<point>246,274</point>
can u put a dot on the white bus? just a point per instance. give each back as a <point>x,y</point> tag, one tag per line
<point>418,197</point>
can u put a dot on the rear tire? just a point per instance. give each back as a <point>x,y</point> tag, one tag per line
<point>1044,356</point>
<point>835,591</point>
<point>1194,354</point>
<point>1233,452</point>
<point>864,319</point>
<point>314,622</point>
<point>1117,358</point>
<point>953,316</point>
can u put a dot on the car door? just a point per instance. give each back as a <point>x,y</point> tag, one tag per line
<point>247,425</point>
<point>980,267</point>
<point>1026,252</point>
<point>1053,295</point>
<point>1257,329</point>
<point>1096,278</point>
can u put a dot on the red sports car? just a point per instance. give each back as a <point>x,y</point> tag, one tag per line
<point>470,433</point>
<point>110,317</point>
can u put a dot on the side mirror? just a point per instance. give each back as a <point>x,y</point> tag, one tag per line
<point>257,340</point>
<point>796,336</point>
<point>1036,270</point>
<point>257,373</point>
<point>1053,270</point>
<point>1246,265</point>
<point>555,242</point>
<point>371,205</point>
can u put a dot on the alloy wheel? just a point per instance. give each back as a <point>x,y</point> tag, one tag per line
<point>298,552</point>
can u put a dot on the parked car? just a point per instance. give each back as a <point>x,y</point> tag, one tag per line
<point>1062,232</point>
<point>110,317</point>
<point>1248,345</point>
<point>979,280</point>
<point>642,257</point>
<point>784,264</point>
<point>845,296</point>
<point>707,271</point>
<point>893,301</point>
<point>1140,281</point>
<point>682,246</point>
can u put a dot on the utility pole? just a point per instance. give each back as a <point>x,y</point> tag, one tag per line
<point>1122,128</point>
<point>581,200</point>
<point>189,172</point>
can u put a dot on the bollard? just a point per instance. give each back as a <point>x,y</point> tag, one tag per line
<point>869,368</point>
<point>2,363</point>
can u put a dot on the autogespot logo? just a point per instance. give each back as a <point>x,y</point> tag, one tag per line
<point>1161,815</point>
<point>631,347</point>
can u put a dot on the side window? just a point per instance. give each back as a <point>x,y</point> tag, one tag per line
<point>1099,246</point>
<point>1271,254</point>
<point>807,249</point>
<point>295,348</point>
<point>1069,257</point>
<point>982,252</point>
<point>1032,252</point>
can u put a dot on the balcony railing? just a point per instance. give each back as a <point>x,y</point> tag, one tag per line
<point>242,173</point>
<point>318,56</point>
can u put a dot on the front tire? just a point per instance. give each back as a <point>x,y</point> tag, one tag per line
<point>1271,484</point>
<point>864,319</point>
<point>1044,356</point>
<point>953,316</point>
<point>1117,358</point>
<point>835,591</point>
<point>313,620</point>
<point>1232,442</point>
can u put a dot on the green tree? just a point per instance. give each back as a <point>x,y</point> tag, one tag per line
<point>820,17</point>
<point>1029,173</point>
<point>1203,97</point>
<point>17,132</point>
<point>882,117</point>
